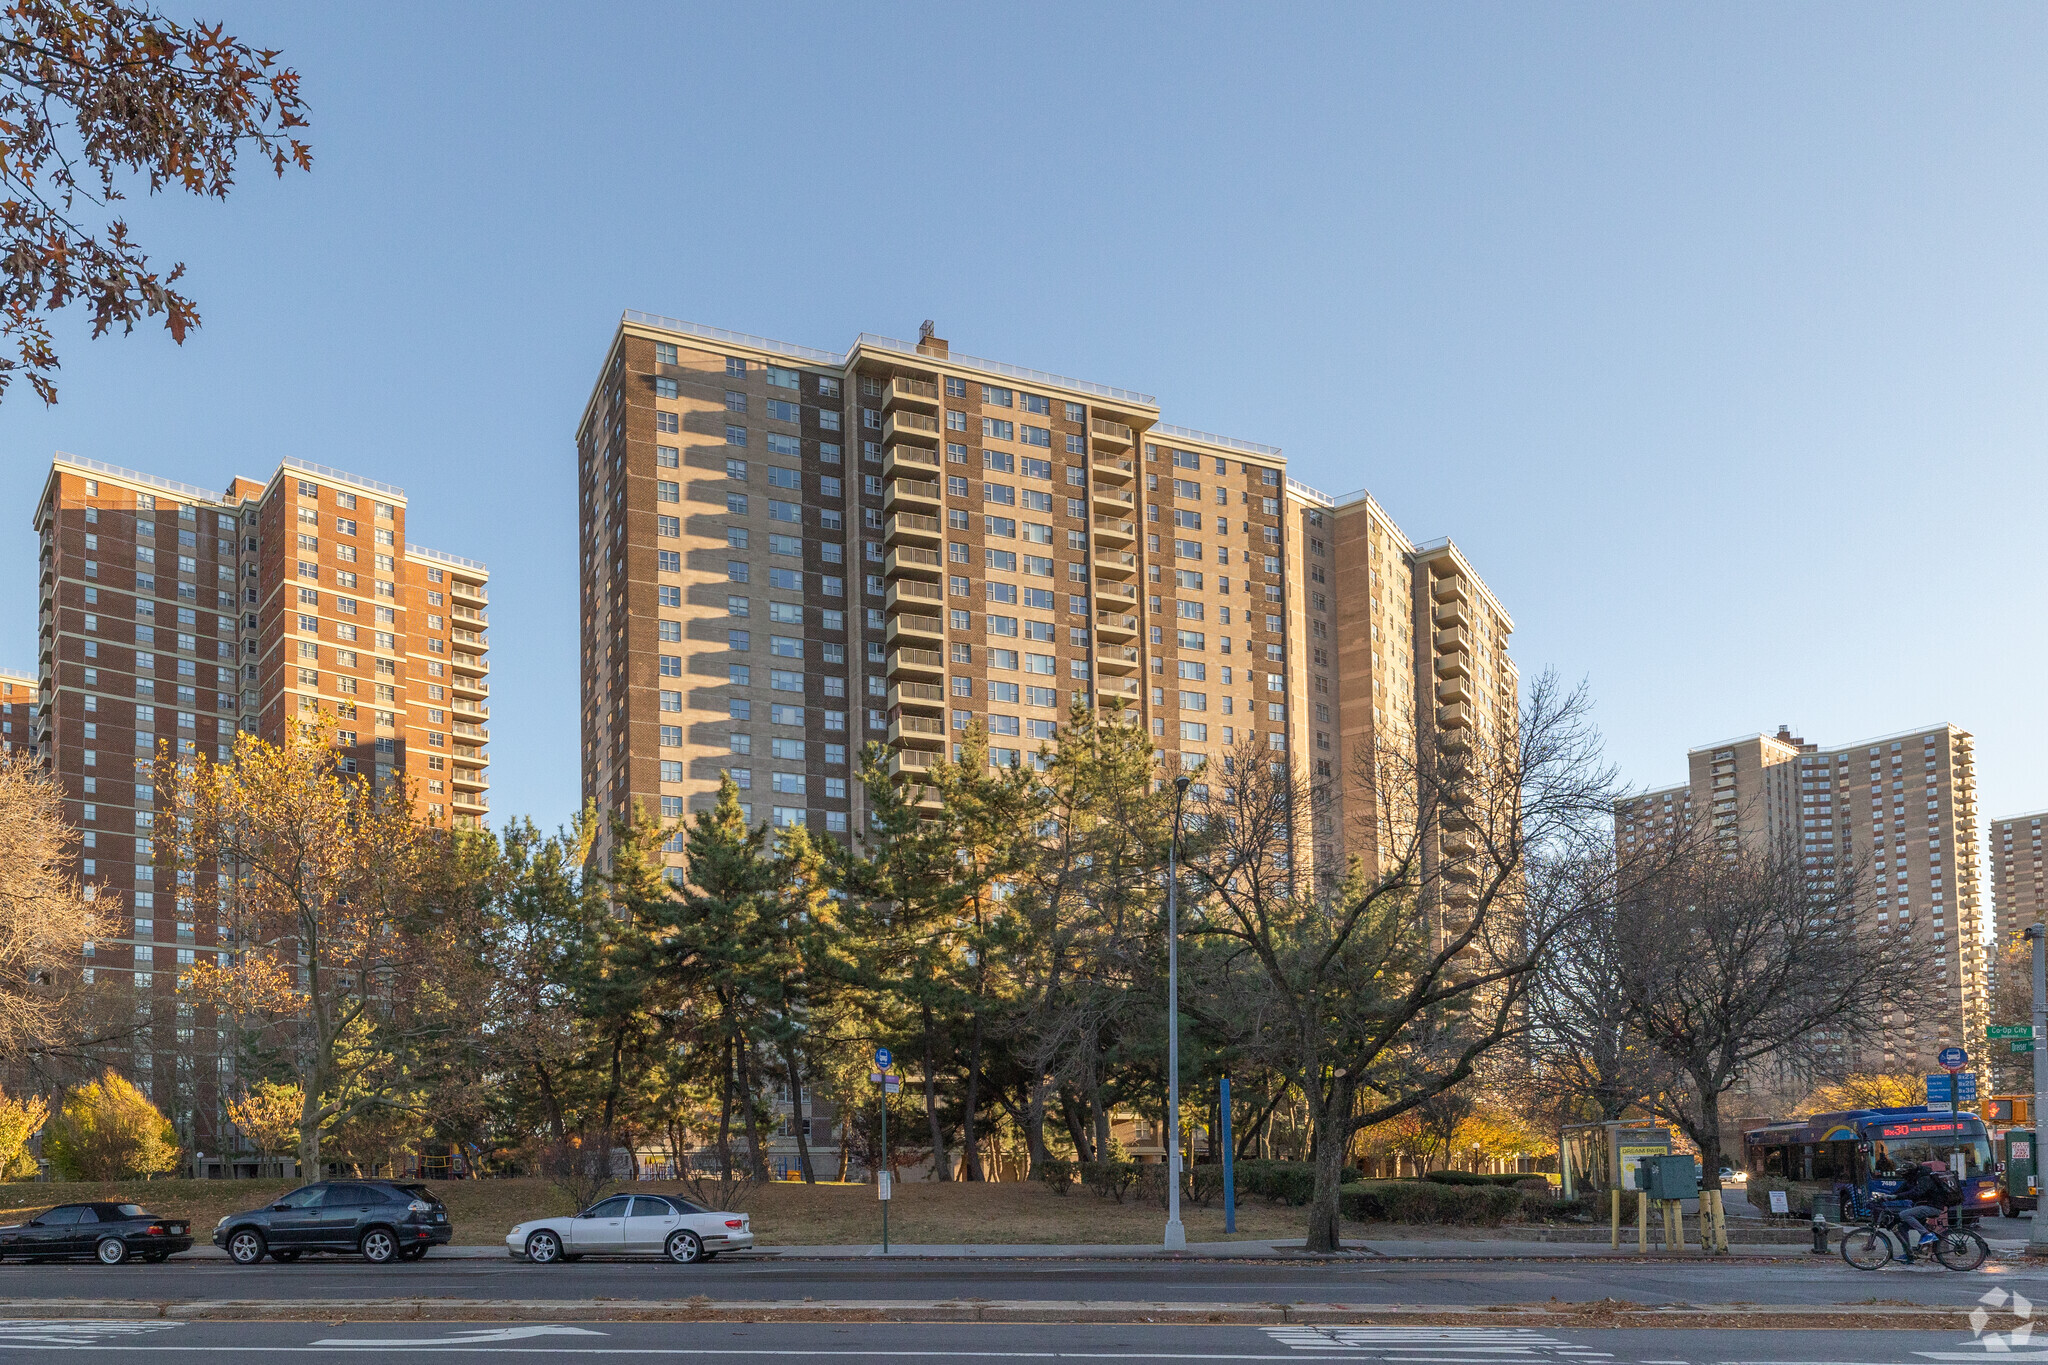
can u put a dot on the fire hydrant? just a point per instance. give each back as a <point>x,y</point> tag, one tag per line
<point>1820,1231</point>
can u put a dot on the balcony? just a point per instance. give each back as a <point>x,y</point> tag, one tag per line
<point>1110,493</point>
<point>917,730</point>
<point>908,462</point>
<point>468,779</point>
<point>469,731</point>
<point>1449,589</point>
<point>918,664</point>
<point>470,801</point>
<point>469,593</point>
<point>471,614</point>
<point>913,763</point>
<point>905,392</point>
<point>1456,665</point>
<point>1117,563</point>
<point>1116,592</point>
<point>915,628</point>
<point>1453,641</point>
<point>913,428</point>
<point>911,495</point>
<point>1113,434</point>
<point>470,688</point>
<point>909,559</point>
<point>1116,689</point>
<point>1115,625</point>
<point>469,637</point>
<point>924,696</point>
<point>1451,615</point>
<point>1116,659</point>
<point>1453,717</point>
<point>907,594</point>
<point>1454,691</point>
<point>1115,529</point>
<point>469,756</point>
<point>912,528</point>
<point>1113,466</point>
<point>474,665</point>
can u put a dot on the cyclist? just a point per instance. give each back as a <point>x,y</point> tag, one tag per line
<point>1923,1192</point>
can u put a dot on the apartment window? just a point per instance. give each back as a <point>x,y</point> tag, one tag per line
<point>666,490</point>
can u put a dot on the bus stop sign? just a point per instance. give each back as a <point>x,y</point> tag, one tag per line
<point>1953,1059</point>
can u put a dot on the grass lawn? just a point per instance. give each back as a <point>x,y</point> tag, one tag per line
<point>785,1214</point>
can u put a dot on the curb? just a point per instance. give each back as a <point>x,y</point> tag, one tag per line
<point>1606,1313</point>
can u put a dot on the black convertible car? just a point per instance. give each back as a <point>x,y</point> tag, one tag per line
<point>109,1233</point>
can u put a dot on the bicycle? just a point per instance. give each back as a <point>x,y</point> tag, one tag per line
<point>1880,1236</point>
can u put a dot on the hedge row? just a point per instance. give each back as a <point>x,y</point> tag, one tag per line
<point>1471,1200</point>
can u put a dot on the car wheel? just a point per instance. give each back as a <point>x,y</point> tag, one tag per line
<point>379,1246</point>
<point>544,1248</point>
<point>111,1251</point>
<point>684,1247</point>
<point>246,1246</point>
<point>284,1257</point>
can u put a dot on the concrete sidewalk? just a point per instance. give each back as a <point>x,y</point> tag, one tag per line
<point>1293,1249</point>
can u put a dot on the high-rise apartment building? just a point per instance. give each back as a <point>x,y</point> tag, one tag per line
<point>2019,885</point>
<point>17,711</point>
<point>1902,807</point>
<point>788,553</point>
<point>173,615</point>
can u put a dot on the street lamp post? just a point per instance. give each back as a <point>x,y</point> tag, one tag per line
<point>2037,1239</point>
<point>1176,1235</point>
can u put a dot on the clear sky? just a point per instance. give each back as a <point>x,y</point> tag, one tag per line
<point>1714,334</point>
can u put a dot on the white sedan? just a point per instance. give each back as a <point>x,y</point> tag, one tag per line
<point>632,1225</point>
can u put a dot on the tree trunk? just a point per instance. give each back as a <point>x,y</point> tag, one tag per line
<point>725,1063</point>
<point>1331,1119</point>
<point>942,1163</point>
<point>970,1147</point>
<point>1075,1132</point>
<point>845,1142</point>
<point>1034,1125</point>
<point>757,1160</point>
<point>798,1118</point>
<point>1709,1140</point>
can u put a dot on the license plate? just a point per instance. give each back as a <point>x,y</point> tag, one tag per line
<point>440,1217</point>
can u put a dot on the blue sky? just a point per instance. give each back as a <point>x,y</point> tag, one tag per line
<point>1713,334</point>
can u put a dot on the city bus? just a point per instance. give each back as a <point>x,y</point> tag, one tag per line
<point>1860,1152</point>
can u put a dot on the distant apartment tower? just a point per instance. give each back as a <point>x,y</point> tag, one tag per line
<point>2019,884</point>
<point>175,615</point>
<point>788,553</point>
<point>1905,804</point>
<point>17,711</point>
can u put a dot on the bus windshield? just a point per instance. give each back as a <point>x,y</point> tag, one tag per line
<point>1893,1148</point>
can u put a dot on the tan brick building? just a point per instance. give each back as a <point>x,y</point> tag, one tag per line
<point>2019,884</point>
<point>174,614</point>
<point>1905,804</point>
<point>789,552</point>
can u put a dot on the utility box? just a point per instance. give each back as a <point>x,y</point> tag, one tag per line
<point>1672,1177</point>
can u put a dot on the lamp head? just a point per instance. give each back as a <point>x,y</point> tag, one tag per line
<point>2033,931</point>
<point>1180,784</point>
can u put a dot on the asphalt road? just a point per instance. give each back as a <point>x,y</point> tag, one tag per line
<point>851,1344</point>
<point>1818,1281</point>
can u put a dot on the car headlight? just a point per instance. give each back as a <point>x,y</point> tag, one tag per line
<point>223,1222</point>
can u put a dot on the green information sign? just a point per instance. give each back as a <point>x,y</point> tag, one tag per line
<point>2009,1031</point>
<point>2023,1045</point>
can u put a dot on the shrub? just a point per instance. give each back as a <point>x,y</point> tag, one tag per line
<point>1285,1182</point>
<point>1148,1182</point>
<point>1511,1181</point>
<point>1205,1182</point>
<point>108,1129</point>
<point>1058,1174</point>
<point>1425,1201</point>
<point>1109,1178</point>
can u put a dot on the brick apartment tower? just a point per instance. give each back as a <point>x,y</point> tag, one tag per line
<point>2019,885</point>
<point>1905,803</point>
<point>788,553</point>
<point>174,614</point>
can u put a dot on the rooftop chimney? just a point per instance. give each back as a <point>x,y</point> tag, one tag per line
<point>928,343</point>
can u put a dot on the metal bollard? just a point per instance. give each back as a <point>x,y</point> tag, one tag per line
<point>1820,1231</point>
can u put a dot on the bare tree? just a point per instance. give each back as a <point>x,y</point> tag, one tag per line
<point>45,917</point>
<point>1733,962</point>
<point>1375,997</point>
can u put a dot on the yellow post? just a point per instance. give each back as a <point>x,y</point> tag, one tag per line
<point>1642,1220</point>
<point>1614,1231</point>
<point>1678,1222</point>
<point>1720,1225</point>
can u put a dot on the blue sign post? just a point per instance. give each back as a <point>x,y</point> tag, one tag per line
<point>881,1077</point>
<point>1229,1181</point>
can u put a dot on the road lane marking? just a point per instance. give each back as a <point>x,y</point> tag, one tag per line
<point>1436,1345</point>
<point>75,1332</point>
<point>470,1338</point>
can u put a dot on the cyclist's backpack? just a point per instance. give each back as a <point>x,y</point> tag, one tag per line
<point>1948,1192</point>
